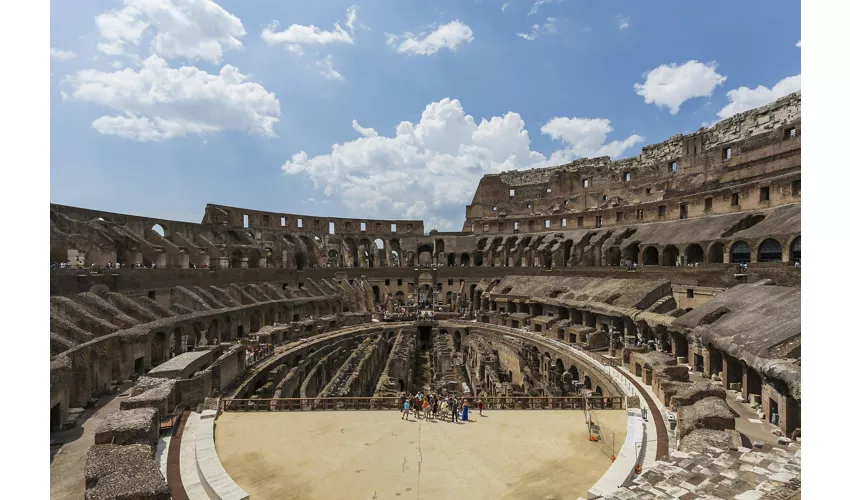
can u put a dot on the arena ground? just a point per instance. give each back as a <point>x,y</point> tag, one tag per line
<point>374,455</point>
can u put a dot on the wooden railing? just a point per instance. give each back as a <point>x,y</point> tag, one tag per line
<point>394,403</point>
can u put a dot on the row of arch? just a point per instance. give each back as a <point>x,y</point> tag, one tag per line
<point>740,252</point>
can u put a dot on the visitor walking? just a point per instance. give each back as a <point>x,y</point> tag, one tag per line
<point>480,407</point>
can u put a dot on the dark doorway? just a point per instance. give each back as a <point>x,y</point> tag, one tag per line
<point>55,417</point>
<point>774,412</point>
<point>424,336</point>
<point>240,331</point>
<point>139,365</point>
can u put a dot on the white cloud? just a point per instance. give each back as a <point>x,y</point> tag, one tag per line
<point>536,6</point>
<point>296,34</point>
<point>623,22</point>
<point>798,43</point>
<point>671,85</point>
<point>159,102</point>
<point>117,64</point>
<point>536,30</point>
<point>430,169</point>
<point>326,68</point>
<point>62,55</point>
<point>505,6</point>
<point>447,36</point>
<point>744,98</point>
<point>351,17</point>
<point>585,137</point>
<point>193,29</point>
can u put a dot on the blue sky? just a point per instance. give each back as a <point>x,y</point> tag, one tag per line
<point>161,106</point>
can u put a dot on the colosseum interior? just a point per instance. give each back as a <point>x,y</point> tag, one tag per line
<point>663,289</point>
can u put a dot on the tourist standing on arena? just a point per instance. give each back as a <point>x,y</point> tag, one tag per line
<point>406,411</point>
<point>480,407</point>
<point>465,410</point>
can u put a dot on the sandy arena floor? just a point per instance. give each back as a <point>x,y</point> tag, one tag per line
<point>376,455</point>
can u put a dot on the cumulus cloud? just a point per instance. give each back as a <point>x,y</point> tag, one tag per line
<point>326,68</point>
<point>623,22</point>
<point>193,29</point>
<point>548,28</point>
<point>536,6</point>
<point>671,85</point>
<point>297,35</point>
<point>585,137</point>
<point>62,55</point>
<point>744,98</point>
<point>505,6</point>
<point>429,170</point>
<point>798,43</point>
<point>447,36</point>
<point>159,102</point>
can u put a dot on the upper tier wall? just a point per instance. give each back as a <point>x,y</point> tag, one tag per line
<point>244,217</point>
<point>745,152</point>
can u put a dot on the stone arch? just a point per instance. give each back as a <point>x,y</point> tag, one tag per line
<point>694,254</point>
<point>424,254</point>
<point>613,255</point>
<point>630,253</point>
<point>794,250</point>
<point>769,250</point>
<point>376,291</point>
<point>399,297</point>
<point>650,256</point>
<point>160,230</point>
<point>451,260</point>
<point>670,255</point>
<point>715,253</point>
<point>588,384</point>
<point>464,260</point>
<point>739,252</point>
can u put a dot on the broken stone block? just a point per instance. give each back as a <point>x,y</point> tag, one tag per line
<point>757,445</point>
<point>776,432</point>
<point>784,440</point>
<point>739,398</point>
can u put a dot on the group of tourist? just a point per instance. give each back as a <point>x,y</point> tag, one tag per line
<point>436,407</point>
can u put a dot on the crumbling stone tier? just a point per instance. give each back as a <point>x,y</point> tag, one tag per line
<point>680,266</point>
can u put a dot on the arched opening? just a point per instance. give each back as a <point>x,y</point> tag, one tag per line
<point>794,254</point>
<point>613,256</point>
<point>158,229</point>
<point>630,254</point>
<point>587,383</point>
<point>715,253</point>
<point>464,260</point>
<point>451,261</point>
<point>479,259</point>
<point>399,297</point>
<point>300,260</point>
<point>739,253</point>
<point>770,251</point>
<point>424,253</point>
<point>395,258</point>
<point>670,256</point>
<point>376,291</point>
<point>694,254</point>
<point>598,391</point>
<point>650,256</point>
<point>457,340</point>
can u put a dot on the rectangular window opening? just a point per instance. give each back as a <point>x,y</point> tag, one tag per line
<point>648,190</point>
<point>547,223</point>
<point>300,223</point>
<point>362,226</point>
<point>708,203</point>
<point>734,199</point>
<point>283,222</point>
<point>331,227</point>
<point>662,211</point>
<point>598,221</point>
<point>690,293</point>
<point>245,220</point>
<point>528,205</point>
<point>564,222</point>
<point>392,228</point>
<point>585,183</point>
<point>512,193</point>
<point>495,208</point>
<point>451,282</point>
<point>674,165</point>
<point>627,177</point>
<point>580,221</point>
<point>764,193</point>
<point>639,214</point>
<point>398,282</point>
<point>790,133</point>
<point>727,154</point>
<point>548,190</point>
<point>516,227</point>
<point>387,282</point>
<point>619,216</point>
<point>795,188</point>
<point>683,211</point>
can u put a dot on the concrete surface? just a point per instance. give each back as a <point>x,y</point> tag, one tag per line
<point>374,455</point>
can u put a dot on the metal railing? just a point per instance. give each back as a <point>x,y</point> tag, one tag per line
<point>394,403</point>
